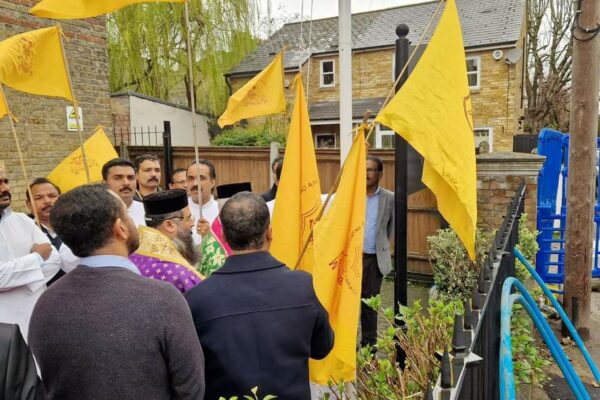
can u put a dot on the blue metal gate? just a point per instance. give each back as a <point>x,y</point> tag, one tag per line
<point>552,208</point>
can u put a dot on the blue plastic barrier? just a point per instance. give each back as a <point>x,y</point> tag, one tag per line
<point>551,219</point>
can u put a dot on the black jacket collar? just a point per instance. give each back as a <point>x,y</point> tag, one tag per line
<point>256,261</point>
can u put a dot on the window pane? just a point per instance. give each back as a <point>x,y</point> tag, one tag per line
<point>328,79</point>
<point>327,66</point>
<point>472,65</point>
<point>387,141</point>
<point>472,79</point>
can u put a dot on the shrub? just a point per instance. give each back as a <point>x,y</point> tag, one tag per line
<point>251,135</point>
<point>454,274</point>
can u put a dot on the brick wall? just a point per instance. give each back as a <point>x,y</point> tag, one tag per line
<point>496,104</point>
<point>499,174</point>
<point>42,127</point>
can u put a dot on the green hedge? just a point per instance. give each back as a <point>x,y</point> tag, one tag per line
<point>254,135</point>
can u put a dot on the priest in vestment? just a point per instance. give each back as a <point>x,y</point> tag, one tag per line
<point>166,250</point>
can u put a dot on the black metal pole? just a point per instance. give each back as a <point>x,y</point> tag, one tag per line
<point>401,189</point>
<point>168,152</point>
<point>401,182</point>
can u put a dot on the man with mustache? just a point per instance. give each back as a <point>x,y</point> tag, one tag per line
<point>147,173</point>
<point>119,174</point>
<point>166,250</point>
<point>45,194</point>
<point>27,261</point>
<point>205,173</point>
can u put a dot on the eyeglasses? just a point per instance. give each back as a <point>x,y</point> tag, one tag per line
<point>185,219</point>
<point>5,181</point>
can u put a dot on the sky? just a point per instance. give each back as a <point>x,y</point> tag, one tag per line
<point>281,9</point>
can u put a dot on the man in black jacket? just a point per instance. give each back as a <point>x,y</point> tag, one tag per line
<point>258,322</point>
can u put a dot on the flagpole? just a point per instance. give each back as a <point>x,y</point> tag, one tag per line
<point>75,107</point>
<point>14,132</point>
<point>193,101</point>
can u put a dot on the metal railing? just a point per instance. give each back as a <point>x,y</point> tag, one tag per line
<point>470,370</point>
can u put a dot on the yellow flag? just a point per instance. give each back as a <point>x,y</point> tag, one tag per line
<point>3,107</point>
<point>33,62</point>
<point>78,9</point>
<point>262,95</point>
<point>337,275</point>
<point>432,111</point>
<point>298,200</point>
<point>70,173</point>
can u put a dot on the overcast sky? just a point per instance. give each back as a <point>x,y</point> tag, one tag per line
<point>325,8</point>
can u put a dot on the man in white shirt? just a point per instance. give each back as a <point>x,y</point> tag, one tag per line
<point>27,261</point>
<point>45,194</point>
<point>119,174</point>
<point>205,171</point>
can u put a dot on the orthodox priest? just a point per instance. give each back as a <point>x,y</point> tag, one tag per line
<point>166,250</point>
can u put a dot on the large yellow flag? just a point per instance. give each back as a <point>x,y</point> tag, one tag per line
<point>432,111</point>
<point>77,9</point>
<point>337,275</point>
<point>3,107</point>
<point>70,173</point>
<point>298,200</point>
<point>262,95</point>
<point>33,62</point>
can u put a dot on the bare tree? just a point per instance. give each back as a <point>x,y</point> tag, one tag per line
<point>550,48</point>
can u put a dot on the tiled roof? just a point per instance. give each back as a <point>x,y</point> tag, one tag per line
<point>484,23</point>
<point>330,110</point>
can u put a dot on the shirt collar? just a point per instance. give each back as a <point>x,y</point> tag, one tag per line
<point>109,261</point>
<point>249,262</point>
<point>376,192</point>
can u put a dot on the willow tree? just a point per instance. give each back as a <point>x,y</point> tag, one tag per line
<point>148,51</point>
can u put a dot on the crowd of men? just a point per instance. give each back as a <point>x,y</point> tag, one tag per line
<point>108,284</point>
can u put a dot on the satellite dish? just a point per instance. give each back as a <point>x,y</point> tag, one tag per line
<point>513,55</point>
<point>497,54</point>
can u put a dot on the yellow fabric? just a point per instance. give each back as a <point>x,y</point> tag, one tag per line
<point>155,244</point>
<point>77,9</point>
<point>298,198</point>
<point>432,111</point>
<point>262,95</point>
<point>33,62</point>
<point>3,106</point>
<point>70,173</point>
<point>337,275</point>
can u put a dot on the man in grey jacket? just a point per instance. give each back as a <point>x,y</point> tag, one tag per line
<point>103,331</point>
<point>377,260</point>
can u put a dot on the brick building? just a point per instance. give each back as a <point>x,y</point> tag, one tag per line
<point>494,39</point>
<point>42,127</point>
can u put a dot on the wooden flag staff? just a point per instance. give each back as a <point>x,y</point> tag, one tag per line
<point>14,132</point>
<point>75,108</point>
<point>193,102</point>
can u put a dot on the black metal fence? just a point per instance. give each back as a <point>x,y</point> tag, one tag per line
<point>146,140</point>
<point>471,369</point>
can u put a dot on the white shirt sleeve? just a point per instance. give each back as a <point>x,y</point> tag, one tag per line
<point>49,267</point>
<point>21,271</point>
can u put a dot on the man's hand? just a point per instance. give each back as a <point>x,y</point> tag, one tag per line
<point>43,249</point>
<point>202,227</point>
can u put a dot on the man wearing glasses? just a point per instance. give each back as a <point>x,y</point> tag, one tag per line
<point>166,250</point>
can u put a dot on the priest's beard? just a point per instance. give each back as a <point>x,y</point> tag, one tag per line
<point>185,246</point>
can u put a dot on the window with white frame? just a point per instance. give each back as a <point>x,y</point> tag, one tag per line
<point>327,73</point>
<point>474,72</point>
<point>484,140</point>
<point>384,137</point>
<point>325,141</point>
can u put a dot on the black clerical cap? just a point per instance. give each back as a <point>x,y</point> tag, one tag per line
<point>167,202</point>
<point>227,191</point>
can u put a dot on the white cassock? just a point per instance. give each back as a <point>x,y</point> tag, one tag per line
<point>137,213</point>
<point>210,212</point>
<point>23,275</point>
<point>271,204</point>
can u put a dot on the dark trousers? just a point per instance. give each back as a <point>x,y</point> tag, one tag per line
<point>371,286</point>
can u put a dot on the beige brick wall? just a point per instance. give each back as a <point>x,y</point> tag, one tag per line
<point>496,104</point>
<point>42,127</point>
